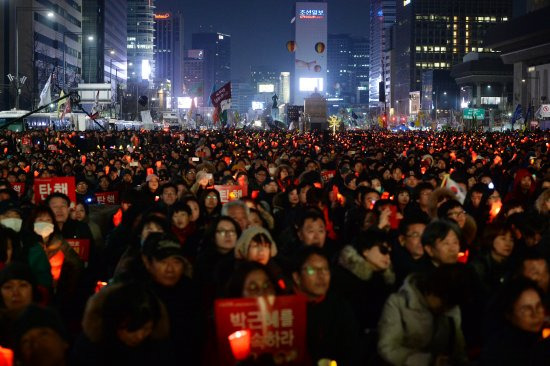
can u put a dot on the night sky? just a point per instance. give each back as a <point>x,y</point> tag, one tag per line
<point>261,28</point>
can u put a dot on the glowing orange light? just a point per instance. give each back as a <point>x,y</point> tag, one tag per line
<point>162,16</point>
<point>495,209</point>
<point>240,344</point>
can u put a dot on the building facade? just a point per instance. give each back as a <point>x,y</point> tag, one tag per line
<point>360,64</point>
<point>284,88</point>
<point>216,60</point>
<point>435,35</point>
<point>49,42</point>
<point>104,57</point>
<point>169,52</point>
<point>382,17</point>
<point>309,32</point>
<point>339,60</point>
<point>140,42</point>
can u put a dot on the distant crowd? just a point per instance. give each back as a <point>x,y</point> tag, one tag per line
<point>411,248</point>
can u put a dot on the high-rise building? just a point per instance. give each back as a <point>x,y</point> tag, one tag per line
<point>169,53</point>
<point>193,75</point>
<point>242,96</point>
<point>339,60</point>
<point>284,88</point>
<point>140,41</point>
<point>359,66</point>
<point>104,57</point>
<point>309,34</point>
<point>435,35</point>
<point>217,60</point>
<point>263,74</point>
<point>382,17</point>
<point>48,33</point>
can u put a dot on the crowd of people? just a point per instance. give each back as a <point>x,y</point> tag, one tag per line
<point>412,248</point>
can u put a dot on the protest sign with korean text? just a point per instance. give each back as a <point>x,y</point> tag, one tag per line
<point>277,326</point>
<point>231,193</point>
<point>107,198</point>
<point>18,187</point>
<point>43,187</point>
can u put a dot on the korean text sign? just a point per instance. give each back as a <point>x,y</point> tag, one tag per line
<point>43,187</point>
<point>231,193</point>
<point>277,326</point>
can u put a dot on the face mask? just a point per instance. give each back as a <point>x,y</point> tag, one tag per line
<point>12,223</point>
<point>272,171</point>
<point>44,229</point>
<point>247,167</point>
<point>378,189</point>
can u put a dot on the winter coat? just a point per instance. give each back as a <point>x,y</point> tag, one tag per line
<point>509,346</point>
<point>96,347</point>
<point>410,334</point>
<point>356,281</point>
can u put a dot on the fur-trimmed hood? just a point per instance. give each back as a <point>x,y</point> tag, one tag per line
<point>93,324</point>
<point>437,196</point>
<point>354,262</point>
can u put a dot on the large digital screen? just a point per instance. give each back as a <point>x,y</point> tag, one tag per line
<point>266,88</point>
<point>257,105</point>
<point>145,69</point>
<point>311,84</point>
<point>185,102</point>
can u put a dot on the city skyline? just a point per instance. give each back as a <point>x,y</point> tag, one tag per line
<point>266,46</point>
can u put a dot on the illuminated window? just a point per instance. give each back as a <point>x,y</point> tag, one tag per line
<point>436,49</point>
<point>443,49</point>
<point>505,19</point>
<point>418,48</point>
<point>480,49</point>
<point>436,64</point>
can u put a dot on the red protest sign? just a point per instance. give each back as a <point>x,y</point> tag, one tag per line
<point>107,198</point>
<point>18,187</point>
<point>231,193</point>
<point>81,247</point>
<point>44,186</point>
<point>327,175</point>
<point>277,326</point>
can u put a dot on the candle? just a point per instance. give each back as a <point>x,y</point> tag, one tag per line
<point>240,344</point>
<point>6,357</point>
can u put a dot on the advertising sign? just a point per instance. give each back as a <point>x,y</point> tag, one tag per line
<point>277,325</point>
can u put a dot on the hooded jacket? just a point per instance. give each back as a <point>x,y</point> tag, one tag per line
<point>517,193</point>
<point>241,248</point>
<point>408,330</point>
<point>366,289</point>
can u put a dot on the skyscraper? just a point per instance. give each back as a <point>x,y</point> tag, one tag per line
<point>359,66</point>
<point>309,32</point>
<point>169,52</point>
<point>339,60</point>
<point>41,28</point>
<point>382,17</point>
<point>284,88</point>
<point>435,35</point>
<point>140,41</point>
<point>193,74</point>
<point>104,58</point>
<point>217,60</point>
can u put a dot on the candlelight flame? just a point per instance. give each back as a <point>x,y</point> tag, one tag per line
<point>495,209</point>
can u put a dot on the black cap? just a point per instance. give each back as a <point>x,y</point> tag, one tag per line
<point>160,246</point>
<point>9,205</point>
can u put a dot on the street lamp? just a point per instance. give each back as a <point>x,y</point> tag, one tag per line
<point>90,38</point>
<point>49,14</point>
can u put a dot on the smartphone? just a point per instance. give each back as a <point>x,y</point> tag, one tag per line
<point>134,163</point>
<point>394,221</point>
<point>194,158</point>
<point>209,176</point>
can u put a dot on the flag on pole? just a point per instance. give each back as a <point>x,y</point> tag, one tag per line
<point>221,100</point>
<point>46,94</point>
<point>60,103</point>
<point>67,108</point>
<point>459,191</point>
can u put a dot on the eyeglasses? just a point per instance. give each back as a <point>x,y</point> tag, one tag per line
<point>226,232</point>
<point>456,213</point>
<point>384,250</point>
<point>311,271</point>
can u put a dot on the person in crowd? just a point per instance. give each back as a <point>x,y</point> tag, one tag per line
<point>441,242</point>
<point>364,278</point>
<point>81,212</point>
<point>168,193</point>
<point>520,318</point>
<point>331,327</point>
<point>251,279</point>
<point>211,205</point>
<point>494,265</point>
<point>408,256</point>
<point>534,266</point>
<point>124,324</point>
<point>238,211</point>
<point>453,210</point>
<point>421,323</point>
<point>40,338</point>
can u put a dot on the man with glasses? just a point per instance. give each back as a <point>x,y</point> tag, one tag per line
<point>331,327</point>
<point>408,256</point>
